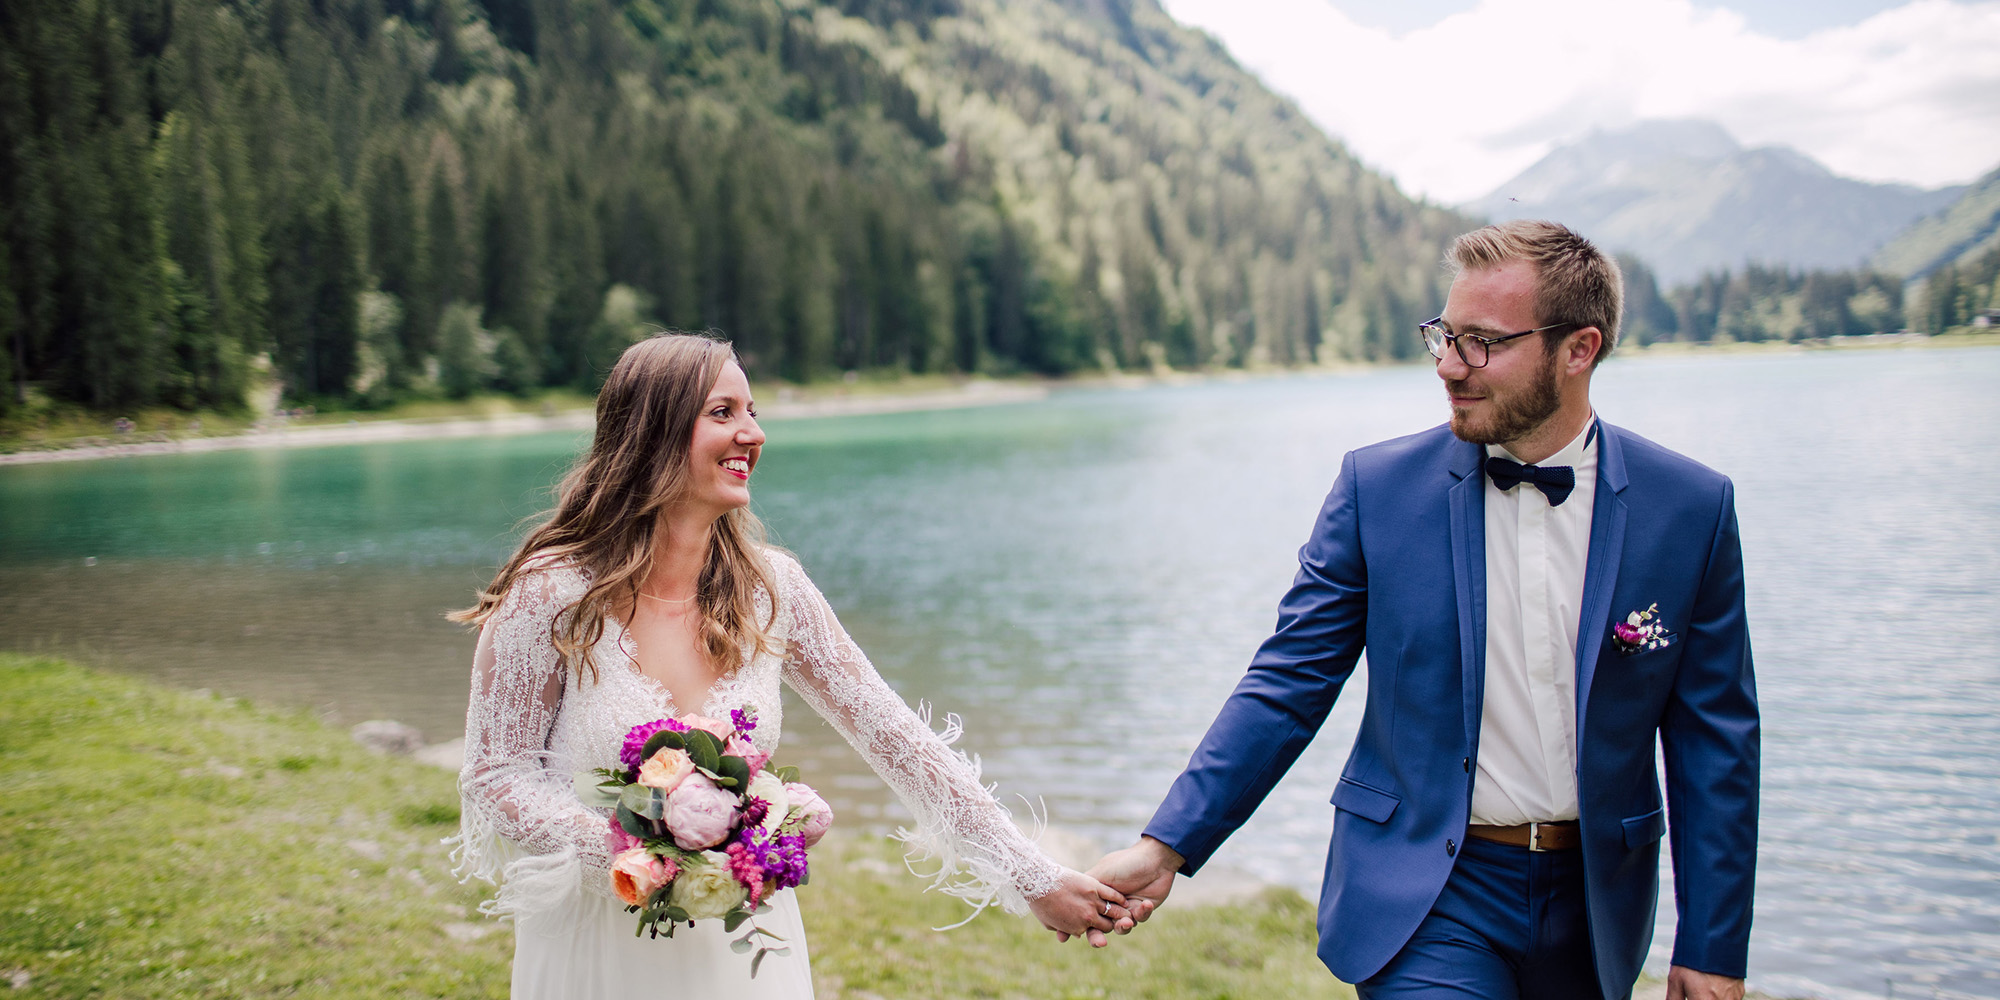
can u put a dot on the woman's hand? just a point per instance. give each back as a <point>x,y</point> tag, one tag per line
<point>1082,907</point>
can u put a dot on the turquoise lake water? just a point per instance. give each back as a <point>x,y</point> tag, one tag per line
<point>1083,578</point>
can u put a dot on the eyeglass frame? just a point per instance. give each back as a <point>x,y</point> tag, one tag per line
<point>1452,339</point>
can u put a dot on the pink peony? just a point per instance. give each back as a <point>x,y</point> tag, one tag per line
<point>666,769</point>
<point>740,747</point>
<point>714,727</point>
<point>636,873</point>
<point>699,814</point>
<point>809,811</point>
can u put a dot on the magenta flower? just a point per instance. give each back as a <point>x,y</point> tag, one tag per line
<point>632,754</point>
<point>743,864</point>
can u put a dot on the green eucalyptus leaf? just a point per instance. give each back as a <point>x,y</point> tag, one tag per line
<point>758,961</point>
<point>632,822</point>
<point>641,800</point>
<point>677,915</point>
<point>739,946</point>
<point>734,920</point>
<point>664,738</point>
<point>705,751</point>
<point>787,774</point>
<point>735,771</point>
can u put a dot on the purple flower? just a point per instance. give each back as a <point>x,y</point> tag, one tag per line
<point>1627,634</point>
<point>632,753</point>
<point>754,811</point>
<point>783,858</point>
<point>744,721</point>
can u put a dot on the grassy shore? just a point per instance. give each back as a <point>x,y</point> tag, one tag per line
<point>160,843</point>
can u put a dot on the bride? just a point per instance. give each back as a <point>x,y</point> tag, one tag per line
<point>648,594</point>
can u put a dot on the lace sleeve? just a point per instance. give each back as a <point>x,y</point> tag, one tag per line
<point>979,854</point>
<point>521,823</point>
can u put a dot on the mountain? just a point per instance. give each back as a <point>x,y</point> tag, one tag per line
<point>397,198</point>
<point>1961,233</point>
<point>1686,197</point>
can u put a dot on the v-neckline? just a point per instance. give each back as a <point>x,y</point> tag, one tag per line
<point>632,666</point>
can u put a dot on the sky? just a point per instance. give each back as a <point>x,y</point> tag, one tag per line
<point>1454,97</point>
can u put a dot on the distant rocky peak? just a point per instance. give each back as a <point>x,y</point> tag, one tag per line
<point>1687,198</point>
<point>1680,138</point>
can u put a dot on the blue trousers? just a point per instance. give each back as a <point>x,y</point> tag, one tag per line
<point>1509,925</point>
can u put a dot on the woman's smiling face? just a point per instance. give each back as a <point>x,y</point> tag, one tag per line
<point>725,445</point>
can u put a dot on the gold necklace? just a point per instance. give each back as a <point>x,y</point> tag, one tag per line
<point>665,600</point>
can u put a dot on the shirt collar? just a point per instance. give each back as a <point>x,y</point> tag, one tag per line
<point>1580,448</point>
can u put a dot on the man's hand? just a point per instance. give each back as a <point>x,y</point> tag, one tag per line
<point>1684,983</point>
<point>1144,872</point>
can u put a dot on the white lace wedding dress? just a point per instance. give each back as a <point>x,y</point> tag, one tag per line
<point>531,728</point>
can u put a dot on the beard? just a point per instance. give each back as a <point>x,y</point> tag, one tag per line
<point>1514,416</point>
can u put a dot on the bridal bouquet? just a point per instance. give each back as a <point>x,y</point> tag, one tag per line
<point>705,828</point>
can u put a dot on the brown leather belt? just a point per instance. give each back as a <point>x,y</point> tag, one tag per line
<point>1564,836</point>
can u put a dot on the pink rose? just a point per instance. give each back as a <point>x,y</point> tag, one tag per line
<point>714,727</point>
<point>617,840</point>
<point>636,873</point>
<point>809,811</point>
<point>740,747</point>
<point>699,814</point>
<point>666,769</point>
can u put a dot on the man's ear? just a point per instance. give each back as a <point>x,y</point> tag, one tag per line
<point>1580,349</point>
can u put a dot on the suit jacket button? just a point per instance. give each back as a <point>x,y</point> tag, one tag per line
<point>1467,764</point>
<point>1451,848</point>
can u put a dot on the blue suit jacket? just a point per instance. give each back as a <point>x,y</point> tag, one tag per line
<point>1396,564</point>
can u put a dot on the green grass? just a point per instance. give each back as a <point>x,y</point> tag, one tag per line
<point>45,424</point>
<point>158,843</point>
<point>155,843</point>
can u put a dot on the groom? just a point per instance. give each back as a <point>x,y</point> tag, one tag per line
<point>1541,596</point>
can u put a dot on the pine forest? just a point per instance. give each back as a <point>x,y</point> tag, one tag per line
<point>371,200</point>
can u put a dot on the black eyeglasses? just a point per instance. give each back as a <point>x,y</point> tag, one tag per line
<point>1436,337</point>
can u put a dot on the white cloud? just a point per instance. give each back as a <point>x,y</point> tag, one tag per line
<point>1453,109</point>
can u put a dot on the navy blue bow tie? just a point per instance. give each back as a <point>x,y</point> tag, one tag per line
<point>1555,481</point>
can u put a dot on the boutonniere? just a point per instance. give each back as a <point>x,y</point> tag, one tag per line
<point>1641,631</point>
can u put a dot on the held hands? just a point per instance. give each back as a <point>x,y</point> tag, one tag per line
<point>1684,983</point>
<point>1144,873</point>
<point>1082,907</point>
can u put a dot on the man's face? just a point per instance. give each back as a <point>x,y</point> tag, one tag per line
<point>1518,389</point>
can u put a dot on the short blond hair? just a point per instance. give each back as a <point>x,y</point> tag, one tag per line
<point>1575,283</point>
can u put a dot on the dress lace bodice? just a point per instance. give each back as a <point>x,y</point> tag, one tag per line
<point>532,727</point>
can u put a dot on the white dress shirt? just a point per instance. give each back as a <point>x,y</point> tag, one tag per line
<point>1535,558</point>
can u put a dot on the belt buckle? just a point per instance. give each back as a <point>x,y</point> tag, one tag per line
<point>1535,839</point>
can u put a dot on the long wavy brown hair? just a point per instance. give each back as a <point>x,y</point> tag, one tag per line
<point>609,505</point>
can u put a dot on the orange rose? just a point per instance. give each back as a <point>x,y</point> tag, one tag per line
<point>636,873</point>
<point>666,769</point>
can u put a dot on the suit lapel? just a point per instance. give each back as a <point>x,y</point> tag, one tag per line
<point>1468,573</point>
<point>1600,575</point>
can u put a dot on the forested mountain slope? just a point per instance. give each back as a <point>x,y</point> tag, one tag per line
<point>407,197</point>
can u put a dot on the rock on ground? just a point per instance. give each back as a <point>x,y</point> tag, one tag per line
<point>388,736</point>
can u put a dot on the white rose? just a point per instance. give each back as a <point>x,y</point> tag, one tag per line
<point>768,787</point>
<point>707,891</point>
